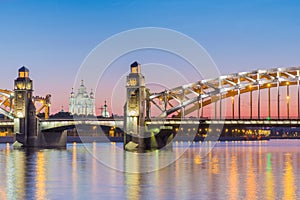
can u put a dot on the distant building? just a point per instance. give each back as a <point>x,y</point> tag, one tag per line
<point>82,103</point>
<point>105,112</point>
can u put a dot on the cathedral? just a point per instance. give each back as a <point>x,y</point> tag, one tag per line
<point>82,103</point>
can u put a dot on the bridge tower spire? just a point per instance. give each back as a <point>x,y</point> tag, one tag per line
<point>25,121</point>
<point>134,111</point>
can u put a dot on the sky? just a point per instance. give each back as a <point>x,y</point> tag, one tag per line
<point>53,38</point>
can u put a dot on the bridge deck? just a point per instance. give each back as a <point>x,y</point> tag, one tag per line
<point>227,121</point>
<point>55,123</point>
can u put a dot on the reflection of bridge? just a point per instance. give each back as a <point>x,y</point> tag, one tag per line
<point>253,98</point>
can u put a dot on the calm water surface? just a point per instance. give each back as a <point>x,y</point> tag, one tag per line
<point>233,170</point>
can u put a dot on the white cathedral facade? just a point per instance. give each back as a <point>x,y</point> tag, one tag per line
<point>82,103</point>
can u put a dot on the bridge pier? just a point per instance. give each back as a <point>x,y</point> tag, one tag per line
<point>26,124</point>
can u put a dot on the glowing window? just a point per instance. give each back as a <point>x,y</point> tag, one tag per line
<point>134,70</point>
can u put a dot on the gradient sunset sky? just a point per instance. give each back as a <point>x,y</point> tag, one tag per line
<point>53,37</point>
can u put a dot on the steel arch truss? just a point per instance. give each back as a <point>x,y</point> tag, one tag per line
<point>6,103</point>
<point>45,103</point>
<point>183,100</point>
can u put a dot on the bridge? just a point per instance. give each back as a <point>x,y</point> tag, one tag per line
<point>265,98</point>
<point>190,100</point>
<point>186,99</point>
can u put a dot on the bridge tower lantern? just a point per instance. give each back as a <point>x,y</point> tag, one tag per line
<point>24,109</point>
<point>134,111</point>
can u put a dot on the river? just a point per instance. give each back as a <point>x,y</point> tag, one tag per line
<point>222,170</point>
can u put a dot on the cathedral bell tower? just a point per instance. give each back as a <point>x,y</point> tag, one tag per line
<point>24,109</point>
<point>134,110</point>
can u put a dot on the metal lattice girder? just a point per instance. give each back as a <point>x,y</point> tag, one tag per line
<point>6,103</point>
<point>45,103</point>
<point>211,90</point>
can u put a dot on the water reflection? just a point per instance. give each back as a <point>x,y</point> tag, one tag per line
<point>25,174</point>
<point>74,169</point>
<point>233,179</point>
<point>40,177</point>
<point>135,181</point>
<point>133,185</point>
<point>242,170</point>
<point>289,184</point>
<point>250,188</point>
<point>16,176</point>
<point>270,193</point>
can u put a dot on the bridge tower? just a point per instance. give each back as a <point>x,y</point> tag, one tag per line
<point>134,111</point>
<point>25,122</point>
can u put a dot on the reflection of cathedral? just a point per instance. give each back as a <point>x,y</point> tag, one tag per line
<point>82,103</point>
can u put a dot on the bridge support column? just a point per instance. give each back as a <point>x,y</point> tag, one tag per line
<point>258,95</point>
<point>201,106</point>
<point>288,100</point>
<point>258,101</point>
<point>232,107</point>
<point>251,106</point>
<point>269,101</point>
<point>200,101</point>
<point>215,109</point>
<point>220,110</point>
<point>278,96</point>
<point>298,93</point>
<point>239,102</point>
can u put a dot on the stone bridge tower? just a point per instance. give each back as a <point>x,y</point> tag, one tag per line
<point>25,122</point>
<point>134,111</point>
